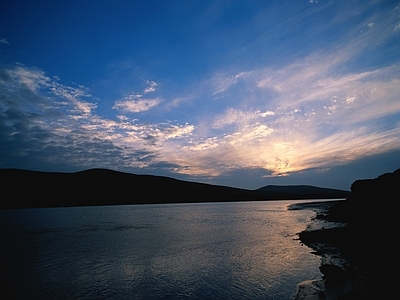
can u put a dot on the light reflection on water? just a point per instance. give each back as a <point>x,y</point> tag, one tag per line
<point>176,251</point>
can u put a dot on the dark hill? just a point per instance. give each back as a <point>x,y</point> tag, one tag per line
<point>307,191</point>
<point>105,187</point>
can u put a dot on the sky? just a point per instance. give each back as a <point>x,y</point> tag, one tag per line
<point>236,93</point>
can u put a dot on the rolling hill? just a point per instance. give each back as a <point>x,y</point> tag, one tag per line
<point>305,190</point>
<point>106,187</point>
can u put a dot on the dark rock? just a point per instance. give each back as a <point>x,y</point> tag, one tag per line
<point>366,241</point>
<point>321,295</point>
<point>332,273</point>
<point>355,296</point>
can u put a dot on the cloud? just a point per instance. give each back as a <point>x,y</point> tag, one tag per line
<point>233,116</point>
<point>31,81</point>
<point>218,154</point>
<point>31,78</point>
<point>151,88</point>
<point>267,113</point>
<point>176,102</point>
<point>74,95</point>
<point>153,135</point>
<point>325,109</point>
<point>315,83</point>
<point>370,24</point>
<point>45,125</point>
<point>4,41</point>
<point>239,118</point>
<point>317,118</point>
<point>283,151</point>
<point>176,131</point>
<point>134,104</point>
<point>222,82</point>
<point>313,121</point>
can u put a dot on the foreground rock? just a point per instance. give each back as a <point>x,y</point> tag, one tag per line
<point>341,276</point>
<point>356,240</point>
<point>333,274</point>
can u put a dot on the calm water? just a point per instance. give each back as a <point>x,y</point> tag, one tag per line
<point>176,251</point>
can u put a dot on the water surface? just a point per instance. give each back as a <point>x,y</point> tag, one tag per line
<point>174,251</point>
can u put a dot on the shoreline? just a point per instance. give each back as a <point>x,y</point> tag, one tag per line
<point>342,275</point>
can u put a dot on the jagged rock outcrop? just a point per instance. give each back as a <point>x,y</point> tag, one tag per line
<point>367,242</point>
<point>332,273</point>
<point>371,202</point>
<point>386,186</point>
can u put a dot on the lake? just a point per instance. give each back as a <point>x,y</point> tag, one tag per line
<point>236,250</point>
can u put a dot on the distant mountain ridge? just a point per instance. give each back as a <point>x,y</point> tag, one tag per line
<point>106,187</point>
<point>302,190</point>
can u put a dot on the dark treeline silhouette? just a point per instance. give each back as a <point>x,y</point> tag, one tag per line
<point>24,189</point>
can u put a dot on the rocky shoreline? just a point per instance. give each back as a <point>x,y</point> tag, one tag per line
<point>342,278</point>
<point>356,239</point>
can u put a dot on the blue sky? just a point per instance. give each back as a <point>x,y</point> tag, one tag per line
<point>239,93</point>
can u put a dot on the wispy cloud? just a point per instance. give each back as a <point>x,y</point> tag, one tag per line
<point>239,117</point>
<point>31,78</point>
<point>36,81</point>
<point>176,102</point>
<point>4,41</point>
<point>151,88</point>
<point>222,82</point>
<point>135,104</point>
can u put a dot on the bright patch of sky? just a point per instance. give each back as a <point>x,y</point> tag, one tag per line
<point>240,93</point>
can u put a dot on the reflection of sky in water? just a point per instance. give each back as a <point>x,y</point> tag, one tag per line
<point>218,250</point>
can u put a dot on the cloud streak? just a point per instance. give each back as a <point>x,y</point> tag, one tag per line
<point>134,104</point>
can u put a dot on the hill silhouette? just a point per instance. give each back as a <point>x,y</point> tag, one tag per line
<point>107,187</point>
<point>308,191</point>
